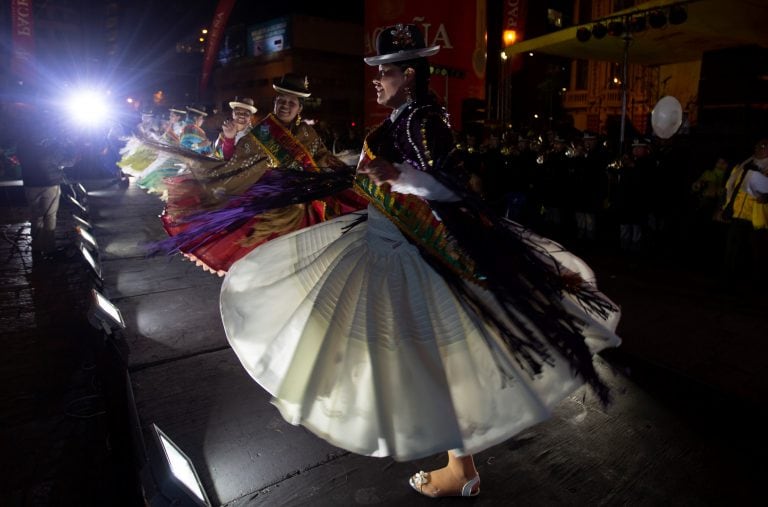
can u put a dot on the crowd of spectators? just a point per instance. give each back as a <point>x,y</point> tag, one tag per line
<point>658,201</point>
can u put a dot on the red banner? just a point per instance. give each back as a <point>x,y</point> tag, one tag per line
<point>22,39</point>
<point>514,16</point>
<point>459,66</point>
<point>215,34</point>
<point>515,12</point>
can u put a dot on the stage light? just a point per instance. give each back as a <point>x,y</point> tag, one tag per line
<point>583,34</point>
<point>677,15</point>
<point>77,203</point>
<point>599,31</point>
<point>616,28</point>
<point>91,260</point>
<point>81,190</point>
<point>88,107</point>
<point>103,314</point>
<point>81,221</point>
<point>174,473</point>
<point>657,19</point>
<point>87,238</point>
<point>637,24</point>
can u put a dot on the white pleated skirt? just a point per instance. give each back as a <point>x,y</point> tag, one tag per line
<point>359,340</point>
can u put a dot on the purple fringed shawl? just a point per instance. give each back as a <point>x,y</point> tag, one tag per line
<point>275,189</point>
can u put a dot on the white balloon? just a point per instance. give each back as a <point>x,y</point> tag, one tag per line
<point>666,117</point>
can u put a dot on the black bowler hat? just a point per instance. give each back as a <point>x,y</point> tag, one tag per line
<point>399,43</point>
<point>293,84</point>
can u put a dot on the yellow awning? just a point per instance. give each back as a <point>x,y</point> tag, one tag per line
<point>711,24</point>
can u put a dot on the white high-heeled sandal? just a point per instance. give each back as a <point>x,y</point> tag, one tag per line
<point>419,480</point>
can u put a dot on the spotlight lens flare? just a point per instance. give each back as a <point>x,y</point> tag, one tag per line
<point>87,107</point>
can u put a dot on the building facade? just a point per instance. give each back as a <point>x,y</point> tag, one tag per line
<point>328,52</point>
<point>593,96</point>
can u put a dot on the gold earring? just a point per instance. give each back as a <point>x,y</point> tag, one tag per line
<point>298,119</point>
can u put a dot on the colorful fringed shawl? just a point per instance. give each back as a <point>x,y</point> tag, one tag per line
<point>194,138</point>
<point>225,211</point>
<point>466,243</point>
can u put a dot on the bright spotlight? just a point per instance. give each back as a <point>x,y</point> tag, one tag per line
<point>88,107</point>
<point>77,203</point>
<point>103,314</point>
<point>87,238</point>
<point>82,222</point>
<point>174,473</point>
<point>91,260</point>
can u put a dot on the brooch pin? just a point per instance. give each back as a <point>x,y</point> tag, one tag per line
<point>401,36</point>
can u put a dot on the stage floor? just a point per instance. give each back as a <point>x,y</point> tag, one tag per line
<point>670,438</point>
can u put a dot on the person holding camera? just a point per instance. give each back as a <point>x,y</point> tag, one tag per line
<point>43,154</point>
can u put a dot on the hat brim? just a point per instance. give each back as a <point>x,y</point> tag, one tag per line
<point>197,111</point>
<point>288,91</point>
<point>177,111</point>
<point>400,56</point>
<point>243,105</point>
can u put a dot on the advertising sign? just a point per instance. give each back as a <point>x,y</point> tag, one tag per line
<point>459,67</point>
<point>267,38</point>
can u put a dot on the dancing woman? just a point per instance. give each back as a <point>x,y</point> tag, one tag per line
<point>425,324</point>
<point>143,156</point>
<point>205,214</point>
<point>236,128</point>
<point>193,136</point>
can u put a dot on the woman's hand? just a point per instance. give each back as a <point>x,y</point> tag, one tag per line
<point>229,129</point>
<point>380,171</point>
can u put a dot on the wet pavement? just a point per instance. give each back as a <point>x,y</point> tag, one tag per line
<point>686,426</point>
<point>60,444</point>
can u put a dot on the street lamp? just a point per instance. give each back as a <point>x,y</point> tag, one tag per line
<point>510,37</point>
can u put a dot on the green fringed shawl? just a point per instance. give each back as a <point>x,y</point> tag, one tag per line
<point>413,216</point>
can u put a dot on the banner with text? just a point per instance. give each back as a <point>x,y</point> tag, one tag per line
<point>515,12</point>
<point>22,40</point>
<point>459,67</point>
